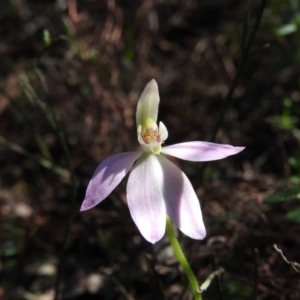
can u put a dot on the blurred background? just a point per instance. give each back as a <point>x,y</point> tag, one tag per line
<point>70,77</point>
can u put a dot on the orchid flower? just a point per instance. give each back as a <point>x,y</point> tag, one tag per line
<point>156,187</point>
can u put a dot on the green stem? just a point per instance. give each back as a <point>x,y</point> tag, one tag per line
<point>182,260</point>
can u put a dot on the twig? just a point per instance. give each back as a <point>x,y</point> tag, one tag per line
<point>245,52</point>
<point>209,279</point>
<point>72,215</point>
<point>219,285</point>
<point>293,264</point>
<point>73,208</point>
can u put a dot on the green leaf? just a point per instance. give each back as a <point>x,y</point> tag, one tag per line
<point>286,29</point>
<point>283,195</point>
<point>294,215</point>
<point>47,37</point>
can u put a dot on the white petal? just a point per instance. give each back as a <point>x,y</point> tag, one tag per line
<point>147,107</point>
<point>107,176</point>
<point>145,199</point>
<point>201,151</point>
<point>182,203</point>
<point>162,130</point>
<point>139,131</point>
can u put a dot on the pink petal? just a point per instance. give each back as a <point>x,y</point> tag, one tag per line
<point>107,176</point>
<point>145,199</point>
<point>201,151</point>
<point>182,203</point>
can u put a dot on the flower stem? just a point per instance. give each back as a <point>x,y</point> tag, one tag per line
<point>182,260</point>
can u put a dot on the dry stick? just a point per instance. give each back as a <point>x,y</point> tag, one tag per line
<point>73,210</point>
<point>293,264</point>
<point>204,286</point>
<point>246,47</point>
<point>218,279</point>
<point>247,43</point>
<point>245,52</point>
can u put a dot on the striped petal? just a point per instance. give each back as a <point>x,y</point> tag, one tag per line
<point>107,176</point>
<point>201,151</point>
<point>145,199</point>
<point>182,203</point>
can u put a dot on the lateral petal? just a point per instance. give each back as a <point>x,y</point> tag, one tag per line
<point>201,151</point>
<point>182,203</point>
<point>145,199</point>
<point>163,131</point>
<point>147,107</point>
<point>107,176</point>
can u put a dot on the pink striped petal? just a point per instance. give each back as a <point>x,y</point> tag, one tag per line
<point>182,203</point>
<point>201,151</point>
<point>107,176</point>
<point>145,199</point>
